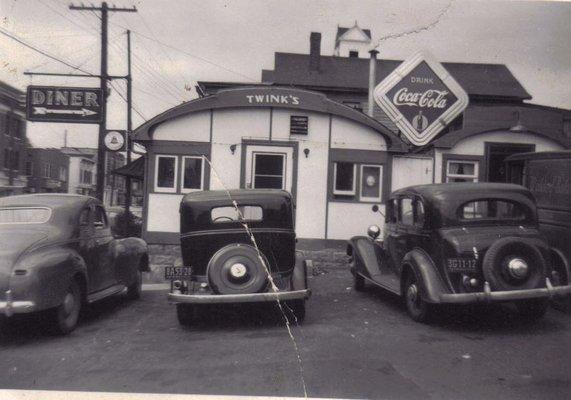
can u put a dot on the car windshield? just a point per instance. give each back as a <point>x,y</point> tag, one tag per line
<point>490,209</point>
<point>24,215</point>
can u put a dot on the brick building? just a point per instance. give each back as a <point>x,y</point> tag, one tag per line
<point>47,170</point>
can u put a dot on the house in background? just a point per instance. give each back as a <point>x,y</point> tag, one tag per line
<point>349,42</point>
<point>82,169</point>
<point>13,141</point>
<point>47,170</point>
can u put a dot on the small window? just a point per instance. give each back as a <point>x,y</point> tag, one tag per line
<point>84,218</point>
<point>298,125</point>
<point>461,171</point>
<point>192,174</point>
<point>99,218</point>
<point>492,209</point>
<point>419,216</point>
<point>353,54</point>
<point>406,211</point>
<point>165,174</point>
<point>231,214</point>
<point>24,215</point>
<point>371,177</point>
<point>345,175</point>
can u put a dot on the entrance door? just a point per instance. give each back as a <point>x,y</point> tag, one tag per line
<point>408,171</point>
<point>496,153</point>
<point>269,167</point>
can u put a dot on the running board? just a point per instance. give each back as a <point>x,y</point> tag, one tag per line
<point>110,291</point>
<point>381,285</point>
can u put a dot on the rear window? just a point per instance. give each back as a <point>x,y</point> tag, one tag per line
<point>21,215</point>
<point>243,214</point>
<point>492,210</point>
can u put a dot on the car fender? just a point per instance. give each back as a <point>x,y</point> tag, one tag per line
<point>130,255</point>
<point>367,255</point>
<point>43,275</point>
<point>431,284</point>
<point>299,276</point>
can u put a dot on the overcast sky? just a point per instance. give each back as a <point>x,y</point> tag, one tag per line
<point>233,40</point>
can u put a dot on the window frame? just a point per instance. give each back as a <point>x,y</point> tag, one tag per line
<point>284,167</point>
<point>379,183</point>
<point>474,177</point>
<point>156,186</point>
<point>352,192</point>
<point>182,174</point>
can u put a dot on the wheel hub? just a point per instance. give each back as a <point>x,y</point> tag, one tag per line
<point>238,270</point>
<point>518,268</point>
<point>412,293</point>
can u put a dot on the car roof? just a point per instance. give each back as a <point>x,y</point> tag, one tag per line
<point>52,200</point>
<point>463,189</point>
<point>541,155</point>
<point>235,194</point>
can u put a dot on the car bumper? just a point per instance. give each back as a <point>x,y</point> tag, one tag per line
<point>238,298</point>
<point>487,296</point>
<point>10,307</point>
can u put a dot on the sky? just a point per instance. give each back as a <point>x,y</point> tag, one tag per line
<point>177,43</point>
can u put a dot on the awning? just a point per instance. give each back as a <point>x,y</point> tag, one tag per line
<point>135,169</point>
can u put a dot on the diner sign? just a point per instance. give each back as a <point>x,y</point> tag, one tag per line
<point>421,98</point>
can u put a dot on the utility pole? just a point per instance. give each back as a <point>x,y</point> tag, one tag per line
<point>104,77</point>
<point>129,123</point>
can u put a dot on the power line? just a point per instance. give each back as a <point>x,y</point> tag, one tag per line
<point>42,52</point>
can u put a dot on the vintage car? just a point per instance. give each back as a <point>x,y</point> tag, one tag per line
<point>459,243</point>
<point>238,246</point>
<point>547,175</point>
<point>57,253</point>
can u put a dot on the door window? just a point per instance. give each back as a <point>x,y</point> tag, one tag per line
<point>406,211</point>
<point>99,218</point>
<point>269,170</point>
<point>192,174</point>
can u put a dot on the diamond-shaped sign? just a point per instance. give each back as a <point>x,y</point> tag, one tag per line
<point>421,98</point>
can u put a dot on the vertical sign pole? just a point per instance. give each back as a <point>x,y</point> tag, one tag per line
<point>372,83</point>
<point>129,123</point>
<point>103,125</point>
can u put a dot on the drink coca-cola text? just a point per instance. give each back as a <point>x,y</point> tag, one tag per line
<point>428,99</point>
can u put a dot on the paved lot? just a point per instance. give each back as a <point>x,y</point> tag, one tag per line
<point>355,345</point>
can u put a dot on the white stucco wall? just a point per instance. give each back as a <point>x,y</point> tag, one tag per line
<point>351,219</point>
<point>193,127</point>
<point>475,145</point>
<point>163,212</point>
<point>347,134</point>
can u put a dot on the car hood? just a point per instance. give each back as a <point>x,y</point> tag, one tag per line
<point>14,241</point>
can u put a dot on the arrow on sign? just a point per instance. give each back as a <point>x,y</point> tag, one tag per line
<point>83,112</point>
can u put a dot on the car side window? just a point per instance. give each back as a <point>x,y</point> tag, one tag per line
<point>419,215</point>
<point>391,212</point>
<point>84,218</point>
<point>100,219</point>
<point>406,211</point>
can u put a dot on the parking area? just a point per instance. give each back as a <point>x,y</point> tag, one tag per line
<point>352,345</point>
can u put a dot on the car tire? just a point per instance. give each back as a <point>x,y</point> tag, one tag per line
<point>64,318</point>
<point>418,309</point>
<point>185,314</point>
<point>296,310</point>
<point>135,289</point>
<point>532,309</point>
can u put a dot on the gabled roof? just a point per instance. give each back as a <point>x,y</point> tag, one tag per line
<point>346,73</point>
<point>341,31</point>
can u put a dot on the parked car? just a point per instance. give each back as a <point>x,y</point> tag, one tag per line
<point>57,253</point>
<point>459,243</point>
<point>224,264</point>
<point>548,176</point>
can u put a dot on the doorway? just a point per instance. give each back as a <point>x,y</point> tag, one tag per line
<point>496,153</point>
<point>269,167</point>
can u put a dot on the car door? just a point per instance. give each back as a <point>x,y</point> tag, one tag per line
<point>88,248</point>
<point>405,225</point>
<point>103,241</point>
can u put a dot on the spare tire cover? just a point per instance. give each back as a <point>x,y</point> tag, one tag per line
<point>237,269</point>
<point>498,257</point>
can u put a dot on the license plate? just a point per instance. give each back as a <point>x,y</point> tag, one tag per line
<point>461,265</point>
<point>172,273</point>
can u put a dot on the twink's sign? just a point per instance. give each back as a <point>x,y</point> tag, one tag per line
<point>421,98</point>
<point>63,104</point>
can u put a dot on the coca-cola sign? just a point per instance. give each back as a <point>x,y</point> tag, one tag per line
<point>421,98</point>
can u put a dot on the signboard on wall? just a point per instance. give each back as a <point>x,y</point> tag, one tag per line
<point>63,104</point>
<point>421,98</point>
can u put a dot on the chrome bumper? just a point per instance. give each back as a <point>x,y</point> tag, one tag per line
<point>238,298</point>
<point>9,307</point>
<point>487,296</point>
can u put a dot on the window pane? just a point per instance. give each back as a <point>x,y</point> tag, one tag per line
<point>165,177</point>
<point>268,182</point>
<point>24,215</point>
<point>407,216</point>
<point>492,209</point>
<point>371,182</point>
<point>192,173</point>
<point>344,176</point>
<point>228,214</point>
<point>269,164</point>
<point>419,213</point>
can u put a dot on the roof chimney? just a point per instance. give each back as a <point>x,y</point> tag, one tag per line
<point>314,51</point>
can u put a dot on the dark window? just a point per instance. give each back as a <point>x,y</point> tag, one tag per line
<point>371,182</point>
<point>298,124</point>
<point>192,173</point>
<point>15,160</point>
<point>344,175</point>
<point>353,54</point>
<point>269,171</point>
<point>492,209</point>
<point>29,168</point>
<point>166,173</point>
